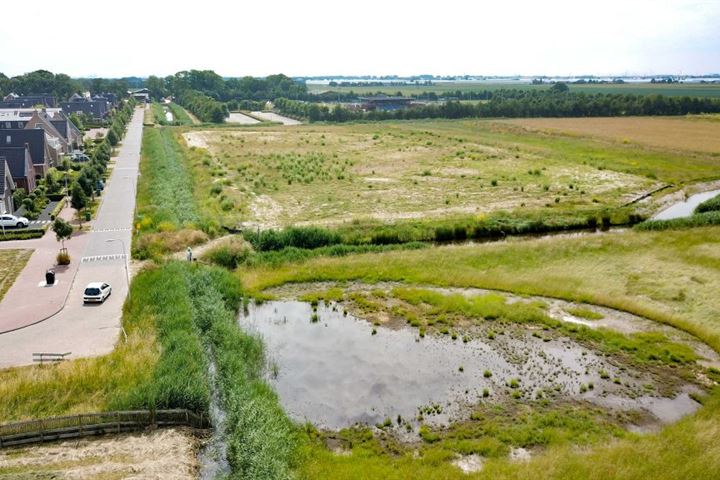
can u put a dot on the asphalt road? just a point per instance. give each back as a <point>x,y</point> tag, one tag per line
<point>87,330</point>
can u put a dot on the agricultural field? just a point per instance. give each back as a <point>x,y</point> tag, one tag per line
<point>679,90</point>
<point>11,264</point>
<point>332,175</point>
<point>692,134</point>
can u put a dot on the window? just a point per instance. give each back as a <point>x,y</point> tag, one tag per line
<point>8,139</point>
<point>8,125</point>
<point>21,125</point>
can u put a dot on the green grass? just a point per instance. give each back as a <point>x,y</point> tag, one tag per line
<point>709,217</point>
<point>711,205</point>
<point>667,276</point>
<point>12,263</point>
<point>586,313</point>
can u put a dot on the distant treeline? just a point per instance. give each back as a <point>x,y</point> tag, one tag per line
<point>225,90</point>
<point>60,85</point>
<point>515,104</point>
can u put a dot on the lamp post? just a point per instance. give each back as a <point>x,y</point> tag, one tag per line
<point>127,273</point>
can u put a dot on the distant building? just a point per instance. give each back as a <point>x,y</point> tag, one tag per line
<point>98,108</point>
<point>28,101</point>
<point>20,166</point>
<point>383,102</point>
<point>6,188</point>
<point>140,94</point>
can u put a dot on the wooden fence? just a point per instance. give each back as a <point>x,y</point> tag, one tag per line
<point>90,424</point>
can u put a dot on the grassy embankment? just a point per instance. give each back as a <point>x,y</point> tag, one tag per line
<point>11,264</point>
<point>180,318</point>
<point>669,277</point>
<point>179,114</point>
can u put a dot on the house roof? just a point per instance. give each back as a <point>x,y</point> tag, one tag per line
<point>34,137</point>
<point>16,161</point>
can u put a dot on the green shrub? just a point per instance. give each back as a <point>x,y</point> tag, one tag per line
<point>711,205</point>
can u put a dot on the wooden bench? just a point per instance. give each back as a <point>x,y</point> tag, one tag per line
<point>49,357</point>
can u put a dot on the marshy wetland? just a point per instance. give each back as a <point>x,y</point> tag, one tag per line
<point>418,364</point>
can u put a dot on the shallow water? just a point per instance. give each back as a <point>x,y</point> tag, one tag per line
<point>687,207</point>
<point>336,373</point>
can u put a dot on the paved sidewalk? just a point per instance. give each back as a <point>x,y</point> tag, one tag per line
<point>29,300</point>
<point>98,255</point>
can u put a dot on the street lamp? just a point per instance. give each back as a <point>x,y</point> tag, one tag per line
<point>127,274</point>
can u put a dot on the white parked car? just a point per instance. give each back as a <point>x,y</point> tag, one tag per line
<point>96,292</point>
<point>7,220</point>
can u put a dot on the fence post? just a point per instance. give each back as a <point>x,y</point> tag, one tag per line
<point>117,417</point>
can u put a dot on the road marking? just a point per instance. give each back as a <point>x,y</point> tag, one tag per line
<point>111,230</point>
<point>101,258</point>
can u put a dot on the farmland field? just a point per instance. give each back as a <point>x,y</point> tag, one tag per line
<point>701,134</point>
<point>11,264</point>
<point>674,90</point>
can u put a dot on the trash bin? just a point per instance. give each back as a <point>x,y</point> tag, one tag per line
<point>50,277</point>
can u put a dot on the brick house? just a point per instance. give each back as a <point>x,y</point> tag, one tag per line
<point>36,140</point>
<point>21,167</point>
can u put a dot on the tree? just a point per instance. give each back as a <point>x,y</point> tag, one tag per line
<point>559,87</point>
<point>78,200</point>
<point>63,230</point>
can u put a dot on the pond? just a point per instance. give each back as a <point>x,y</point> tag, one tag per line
<point>336,370</point>
<point>687,207</point>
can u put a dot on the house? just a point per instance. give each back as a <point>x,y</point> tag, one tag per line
<point>97,108</point>
<point>20,166</point>
<point>140,94</point>
<point>41,152</point>
<point>6,188</point>
<point>52,120</point>
<point>28,101</point>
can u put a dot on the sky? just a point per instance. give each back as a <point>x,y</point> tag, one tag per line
<point>369,37</point>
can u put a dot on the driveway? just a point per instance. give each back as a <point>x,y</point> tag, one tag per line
<point>82,330</point>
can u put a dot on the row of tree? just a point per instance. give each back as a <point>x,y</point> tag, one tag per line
<point>204,107</point>
<point>85,185</point>
<point>515,104</point>
<point>60,85</point>
<point>224,90</point>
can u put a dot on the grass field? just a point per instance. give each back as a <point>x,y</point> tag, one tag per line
<point>409,170</point>
<point>694,134</point>
<point>11,264</point>
<point>692,90</point>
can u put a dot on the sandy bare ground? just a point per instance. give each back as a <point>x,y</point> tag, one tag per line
<point>274,117</point>
<point>674,133</point>
<point>196,139</point>
<point>241,118</point>
<point>158,454</point>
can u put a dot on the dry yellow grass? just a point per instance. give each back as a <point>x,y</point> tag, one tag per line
<point>11,264</point>
<point>700,134</point>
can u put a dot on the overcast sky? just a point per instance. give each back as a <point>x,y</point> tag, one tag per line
<point>377,37</point>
